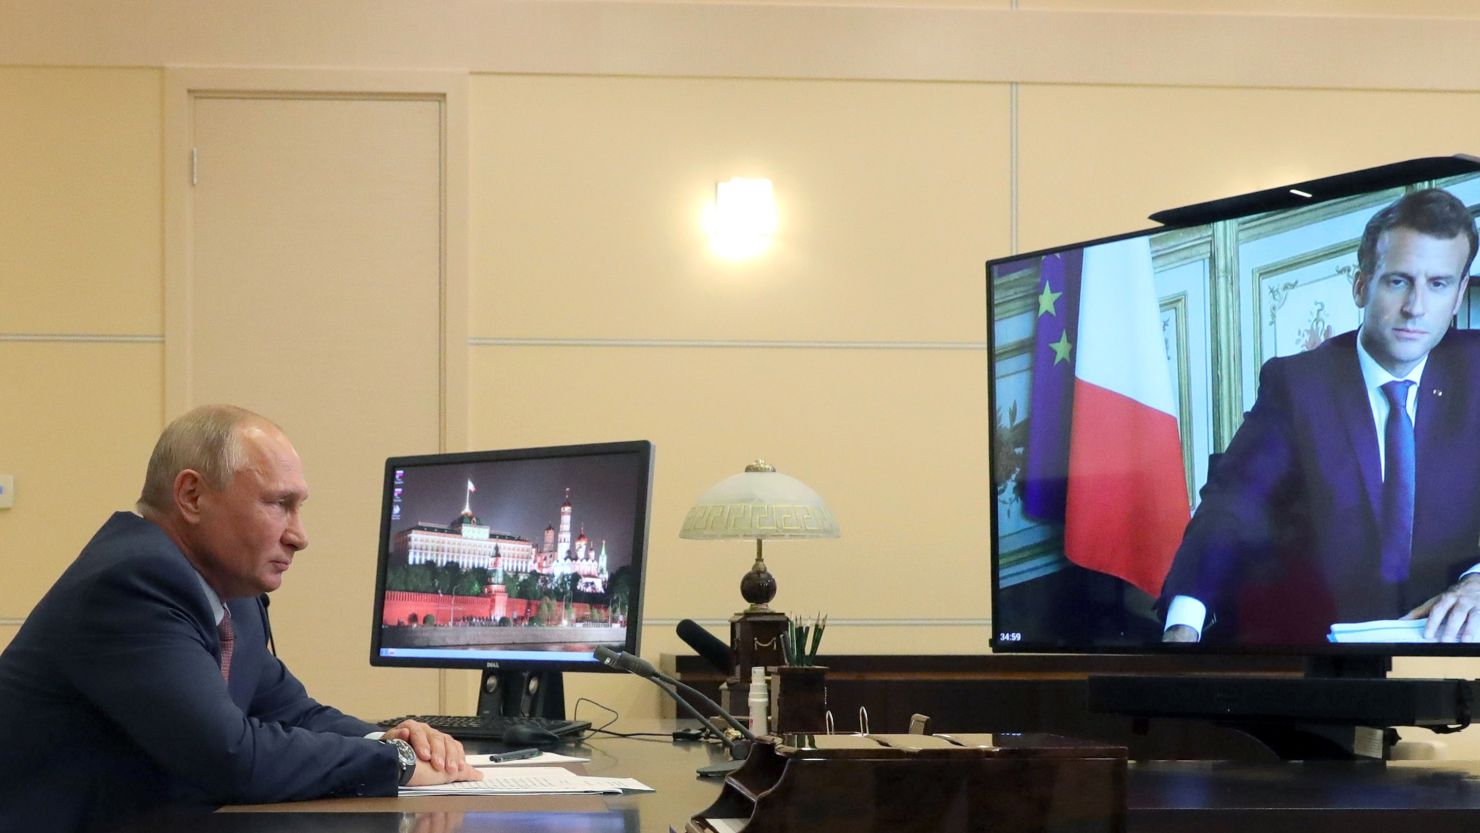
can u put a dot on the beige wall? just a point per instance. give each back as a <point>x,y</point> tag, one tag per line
<point>906,146</point>
<point>81,350</point>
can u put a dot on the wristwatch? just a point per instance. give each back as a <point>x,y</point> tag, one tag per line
<point>405,756</point>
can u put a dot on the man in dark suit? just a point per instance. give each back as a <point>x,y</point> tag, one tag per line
<point>1351,492</point>
<point>142,679</point>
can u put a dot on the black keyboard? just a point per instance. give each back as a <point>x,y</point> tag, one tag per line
<point>490,727</point>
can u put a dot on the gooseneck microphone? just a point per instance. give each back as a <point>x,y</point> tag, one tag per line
<point>739,750</point>
<point>707,645</point>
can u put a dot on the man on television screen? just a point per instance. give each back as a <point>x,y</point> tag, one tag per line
<point>1351,492</point>
<point>142,680</point>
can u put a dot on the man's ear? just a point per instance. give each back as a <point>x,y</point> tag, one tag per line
<point>190,489</point>
<point>1359,289</point>
<point>1459,300</point>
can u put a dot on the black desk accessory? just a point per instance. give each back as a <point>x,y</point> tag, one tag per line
<point>515,731</point>
<point>1296,718</point>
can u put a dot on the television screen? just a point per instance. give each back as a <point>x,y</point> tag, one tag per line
<point>521,559</point>
<point>1194,436</point>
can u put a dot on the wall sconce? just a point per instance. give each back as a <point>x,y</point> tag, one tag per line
<point>743,220</point>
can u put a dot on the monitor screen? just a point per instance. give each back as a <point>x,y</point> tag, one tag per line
<point>1189,437</point>
<point>522,559</point>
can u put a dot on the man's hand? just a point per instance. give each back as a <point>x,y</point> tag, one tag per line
<point>440,756</point>
<point>1454,615</point>
<point>439,822</point>
<point>1180,633</point>
<point>426,776</point>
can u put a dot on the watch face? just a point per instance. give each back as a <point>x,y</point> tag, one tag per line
<point>405,756</point>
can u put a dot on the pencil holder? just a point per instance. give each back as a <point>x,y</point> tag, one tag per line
<point>798,698</point>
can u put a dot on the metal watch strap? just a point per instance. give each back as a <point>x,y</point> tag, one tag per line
<point>405,756</point>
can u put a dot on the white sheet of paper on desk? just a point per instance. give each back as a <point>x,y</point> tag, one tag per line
<point>621,784</point>
<point>530,780</point>
<point>1379,630</point>
<point>481,761</point>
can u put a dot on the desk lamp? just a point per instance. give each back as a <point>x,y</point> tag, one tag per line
<point>759,503</point>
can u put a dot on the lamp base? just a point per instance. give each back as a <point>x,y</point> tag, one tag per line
<point>758,586</point>
<point>755,639</point>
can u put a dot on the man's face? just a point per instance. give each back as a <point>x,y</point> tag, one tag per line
<point>1413,293</point>
<point>249,531</point>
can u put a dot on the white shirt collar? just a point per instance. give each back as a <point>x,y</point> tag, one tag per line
<point>217,608</point>
<point>1375,375</point>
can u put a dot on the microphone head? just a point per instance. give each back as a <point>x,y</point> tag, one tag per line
<point>707,645</point>
<point>624,661</point>
<point>637,665</point>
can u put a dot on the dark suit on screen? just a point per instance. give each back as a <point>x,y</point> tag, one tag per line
<point>1285,540</point>
<point>115,703</point>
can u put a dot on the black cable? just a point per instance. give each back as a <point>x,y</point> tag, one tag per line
<point>651,737</point>
<point>575,712</point>
<point>646,737</point>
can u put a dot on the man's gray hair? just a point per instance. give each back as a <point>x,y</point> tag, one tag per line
<point>207,440</point>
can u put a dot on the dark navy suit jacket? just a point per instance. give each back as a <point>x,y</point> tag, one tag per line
<point>114,703</point>
<point>1285,540</point>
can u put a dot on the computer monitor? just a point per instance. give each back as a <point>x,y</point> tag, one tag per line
<point>517,560</point>
<point>1122,369</point>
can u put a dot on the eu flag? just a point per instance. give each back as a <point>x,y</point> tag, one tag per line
<point>1051,395</point>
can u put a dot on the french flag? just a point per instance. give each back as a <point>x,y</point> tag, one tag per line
<point>1126,504</point>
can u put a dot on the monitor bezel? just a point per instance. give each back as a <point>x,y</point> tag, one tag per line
<point>643,449</point>
<point>1381,178</point>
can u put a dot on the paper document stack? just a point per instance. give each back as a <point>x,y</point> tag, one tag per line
<point>1379,630</point>
<point>531,780</point>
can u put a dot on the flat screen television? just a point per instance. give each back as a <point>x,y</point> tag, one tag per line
<point>512,560</point>
<point>1123,372</point>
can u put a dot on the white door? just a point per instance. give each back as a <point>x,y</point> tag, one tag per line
<point>312,291</point>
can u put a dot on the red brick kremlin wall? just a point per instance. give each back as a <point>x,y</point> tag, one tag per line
<point>400,605</point>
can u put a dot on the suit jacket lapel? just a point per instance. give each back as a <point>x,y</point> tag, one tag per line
<point>1432,424</point>
<point>1356,415</point>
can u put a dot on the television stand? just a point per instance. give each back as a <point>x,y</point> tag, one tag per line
<point>508,693</point>
<point>1304,718</point>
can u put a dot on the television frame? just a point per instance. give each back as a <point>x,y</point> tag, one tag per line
<point>1360,659</point>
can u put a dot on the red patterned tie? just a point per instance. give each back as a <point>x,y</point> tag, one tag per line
<point>228,644</point>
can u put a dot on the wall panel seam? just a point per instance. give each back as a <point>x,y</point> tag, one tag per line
<point>729,344</point>
<point>82,337</point>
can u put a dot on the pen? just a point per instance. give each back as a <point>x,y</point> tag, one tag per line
<point>516,755</point>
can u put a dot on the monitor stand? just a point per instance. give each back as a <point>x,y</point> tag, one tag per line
<point>1342,708</point>
<point>521,694</point>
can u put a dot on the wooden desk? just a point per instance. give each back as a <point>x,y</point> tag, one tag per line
<point>666,766</point>
<point>1018,693</point>
<point>1163,797</point>
<point>1347,797</point>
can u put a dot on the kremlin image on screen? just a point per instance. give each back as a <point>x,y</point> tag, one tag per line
<point>509,559</point>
